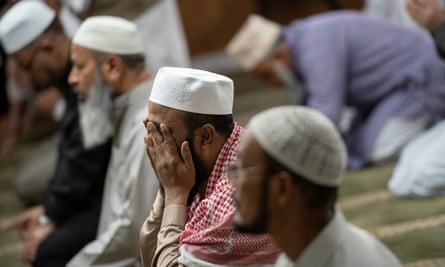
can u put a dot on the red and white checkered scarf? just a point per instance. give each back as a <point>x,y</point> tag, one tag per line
<point>209,234</point>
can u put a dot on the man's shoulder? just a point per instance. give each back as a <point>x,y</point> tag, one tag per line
<point>138,106</point>
<point>133,126</point>
<point>361,246</point>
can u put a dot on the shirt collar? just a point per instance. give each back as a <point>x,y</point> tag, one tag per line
<point>321,248</point>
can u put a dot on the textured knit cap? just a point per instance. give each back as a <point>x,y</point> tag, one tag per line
<point>109,34</point>
<point>193,90</point>
<point>303,140</point>
<point>23,23</point>
<point>254,41</point>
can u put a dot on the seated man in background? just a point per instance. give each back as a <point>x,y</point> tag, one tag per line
<point>420,171</point>
<point>113,85</point>
<point>67,219</point>
<point>26,104</point>
<point>290,164</point>
<point>191,140</point>
<point>390,75</point>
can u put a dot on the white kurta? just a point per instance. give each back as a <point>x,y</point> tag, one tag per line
<point>341,244</point>
<point>420,171</point>
<point>130,188</point>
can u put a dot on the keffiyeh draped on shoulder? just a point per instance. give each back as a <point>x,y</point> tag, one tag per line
<point>209,234</point>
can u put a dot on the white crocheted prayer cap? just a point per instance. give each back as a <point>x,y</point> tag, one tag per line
<point>193,90</point>
<point>109,34</point>
<point>254,41</point>
<point>302,139</point>
<point>23,23</point>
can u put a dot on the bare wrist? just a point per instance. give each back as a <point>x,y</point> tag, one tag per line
<point>175,198</point>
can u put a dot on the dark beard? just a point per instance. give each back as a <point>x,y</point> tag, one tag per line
<point>202,174</point>
<point>261,223</point>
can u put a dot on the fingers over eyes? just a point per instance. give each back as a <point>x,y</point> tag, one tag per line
<point>169,142</point>
<point>155,134</point>
<point>187,155</point>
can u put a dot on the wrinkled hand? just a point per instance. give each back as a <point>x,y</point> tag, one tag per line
<point>32,238</point>
<point>23,221</point>
<point>175,169</point>
<point>47,100</point>
<point>428,13</point>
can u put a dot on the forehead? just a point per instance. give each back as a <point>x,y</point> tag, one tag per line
<point>79,53</point>
<point>22,54</point>
<point>250,150</point>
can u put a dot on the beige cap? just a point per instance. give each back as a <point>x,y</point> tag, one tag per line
<point>23,23</point>
<point>193,90</point>
<point>109,34</point>
<point>304,140</point>
<point>254,41</point>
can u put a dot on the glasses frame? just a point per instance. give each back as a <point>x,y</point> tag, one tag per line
<point>233,172</point>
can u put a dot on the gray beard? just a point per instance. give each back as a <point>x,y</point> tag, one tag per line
<point>287,77</point>
<point>95,114</point>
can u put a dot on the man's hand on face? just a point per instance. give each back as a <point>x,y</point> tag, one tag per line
<point>47,100</point>
<point>175,169</point>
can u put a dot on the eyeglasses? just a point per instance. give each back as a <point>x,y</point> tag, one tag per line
<point>233,171</point>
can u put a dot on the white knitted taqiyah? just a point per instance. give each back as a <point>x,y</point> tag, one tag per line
<point>254,41</point>
<point>193,90</point>
<point>109,34</point>
<point>23,23</point>
<point>303,140</point>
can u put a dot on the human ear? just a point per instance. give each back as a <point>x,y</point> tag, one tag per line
<point>112,68</point>
<point>206,134</point>
<point>281,188</point>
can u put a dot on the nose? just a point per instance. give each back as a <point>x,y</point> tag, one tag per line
<point>73,78</point>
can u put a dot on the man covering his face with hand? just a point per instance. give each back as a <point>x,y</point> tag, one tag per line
<point>191,140</point>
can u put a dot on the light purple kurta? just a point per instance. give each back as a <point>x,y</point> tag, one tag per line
<point>383,70</point>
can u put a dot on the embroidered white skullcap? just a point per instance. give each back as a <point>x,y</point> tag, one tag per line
<point>193,90</point>
<point>109,34</point>
<point>254,41</point>
<point>23,23</point>
<point>303,140</point>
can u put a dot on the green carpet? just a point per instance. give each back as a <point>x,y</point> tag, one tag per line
<point>414,229</point>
